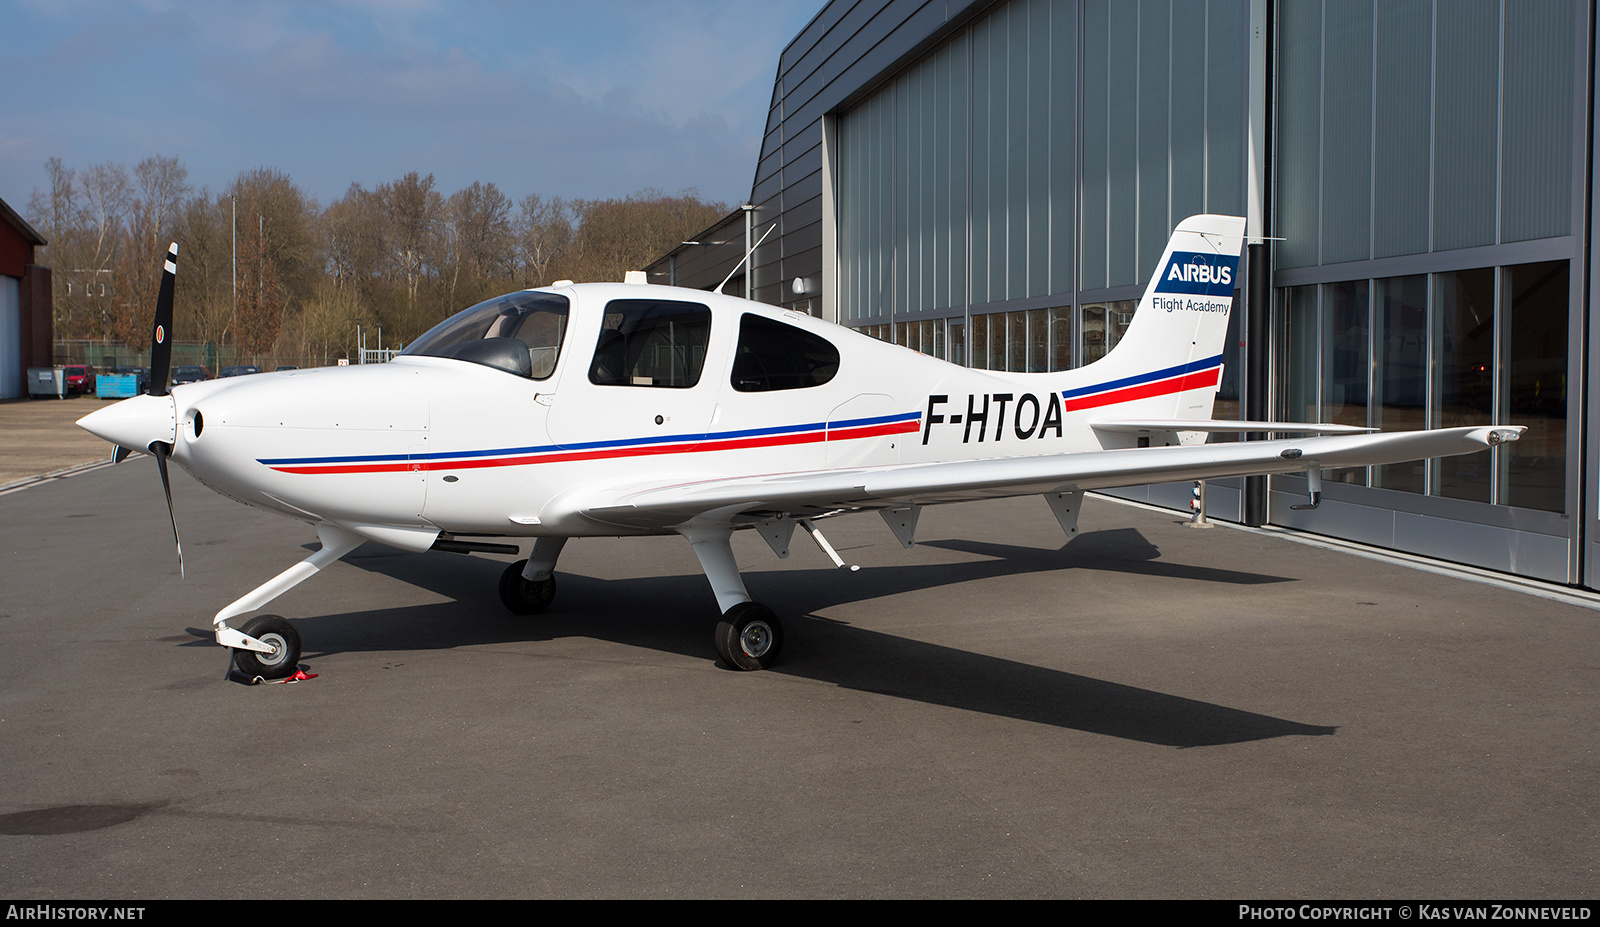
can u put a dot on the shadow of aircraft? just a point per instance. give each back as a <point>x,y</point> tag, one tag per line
<point>673,614</point>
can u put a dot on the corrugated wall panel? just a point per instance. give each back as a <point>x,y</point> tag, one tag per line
<point>1537,185</point>
<point>1347,132</point>
<point>1466,90</point>
<point>1299,148</point>
<point>1189,86</point>
<point>1155,142</point>
<point>1404,72</point>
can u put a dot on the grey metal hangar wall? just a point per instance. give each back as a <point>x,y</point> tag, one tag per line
<point>992,182</point>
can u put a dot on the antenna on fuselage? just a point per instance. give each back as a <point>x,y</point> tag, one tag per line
<point>746,256</point>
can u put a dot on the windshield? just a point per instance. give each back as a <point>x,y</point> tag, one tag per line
<point>520,333</point>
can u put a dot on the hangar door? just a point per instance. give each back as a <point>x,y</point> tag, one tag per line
<point>12,381</point>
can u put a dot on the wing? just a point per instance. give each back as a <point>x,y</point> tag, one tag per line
<point>748,498</point>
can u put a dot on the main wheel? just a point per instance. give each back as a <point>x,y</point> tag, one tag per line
<point>523,597</point>
<point>276,633</point>
<point>749,636</point>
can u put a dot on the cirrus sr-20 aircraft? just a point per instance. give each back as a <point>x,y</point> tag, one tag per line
<point>614,409</point>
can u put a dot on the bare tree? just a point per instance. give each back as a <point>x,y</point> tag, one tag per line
<point>615,236</point>
<point>544,233</point>
<point>203,304</point>
<point>478,219</point>
<point>54,212</point>
<point>260,311</point>
<point>162,186</point>
<point>138,278</point>
<point>412,211</point>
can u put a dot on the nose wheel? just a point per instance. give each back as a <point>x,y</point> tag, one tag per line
<point>749,636</point>
<point>284,657</point>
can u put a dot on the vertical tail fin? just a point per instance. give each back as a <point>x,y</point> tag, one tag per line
<point>1168,364</point>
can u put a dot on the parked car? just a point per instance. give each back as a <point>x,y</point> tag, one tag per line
<point>189,374</point>
<point>238,371</point>
<point>80,378</point>
<point>285,367</point>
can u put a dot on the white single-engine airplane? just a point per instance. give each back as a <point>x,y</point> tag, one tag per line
<point>628,409</point>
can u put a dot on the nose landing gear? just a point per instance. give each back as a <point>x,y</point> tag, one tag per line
<point>281,660</point>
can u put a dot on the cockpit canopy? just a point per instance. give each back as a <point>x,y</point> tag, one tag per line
<point>519,333</point>
<point>643,342</point>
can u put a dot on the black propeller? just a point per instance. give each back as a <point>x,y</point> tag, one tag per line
<point>161,334</point>
<point>149,422</point>
<point>160,368</point>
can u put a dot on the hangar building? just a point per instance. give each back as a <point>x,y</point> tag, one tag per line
<point>993,181</point>
<point>26,327</point>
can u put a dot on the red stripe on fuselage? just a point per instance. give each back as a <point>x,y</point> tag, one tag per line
<point>1189,381</point>
<point>693,447</point>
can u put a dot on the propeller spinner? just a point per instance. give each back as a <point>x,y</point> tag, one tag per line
<point>149,422</point>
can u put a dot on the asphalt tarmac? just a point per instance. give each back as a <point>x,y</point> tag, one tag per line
<point>1146,711</point>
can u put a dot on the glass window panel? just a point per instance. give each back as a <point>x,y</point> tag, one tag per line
<point>1016,341</point>
<point>1464,395</point>
<point>1094,333</point>
<point>1119,315</point>
<point>1400,394</point>
<point>1061,338</point>
<point>1227,405</point>
<point>958,342</point>
<point>980,342</point>
<point>1298,356</point>
<point>1038,340</point>
<point>1345,339</point>
<point>1536,468</point>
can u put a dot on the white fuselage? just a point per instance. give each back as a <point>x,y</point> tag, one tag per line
<point>424,445</point>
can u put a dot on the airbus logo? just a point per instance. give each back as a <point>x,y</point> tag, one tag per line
<point>1198,274</point>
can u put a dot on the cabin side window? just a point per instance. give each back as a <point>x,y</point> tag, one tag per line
<point>775,356</point>
<point>651,342</point>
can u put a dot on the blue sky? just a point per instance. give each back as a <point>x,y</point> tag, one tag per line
<point>579,98</point>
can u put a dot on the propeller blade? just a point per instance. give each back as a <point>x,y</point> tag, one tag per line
<point>161,449</point>
<point>119,453</point>
<point>161,334</point>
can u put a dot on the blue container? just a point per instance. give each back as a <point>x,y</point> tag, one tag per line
<point>116,385</point>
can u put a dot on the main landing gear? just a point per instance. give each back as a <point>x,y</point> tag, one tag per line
<point>527,587</point>
<point>749,636</point>
<point>524,596</point>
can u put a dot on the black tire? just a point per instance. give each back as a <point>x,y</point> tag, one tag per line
<point>749,636</point>
<point>270,629</point>
<point>522,597</point>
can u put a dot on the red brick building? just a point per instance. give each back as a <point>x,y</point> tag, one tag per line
<point>26,325</point>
